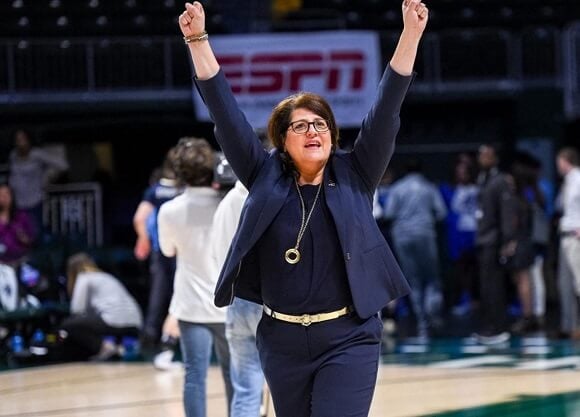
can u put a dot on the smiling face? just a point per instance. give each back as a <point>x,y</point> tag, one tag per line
<point>303,149</point>
<point>311,147</point>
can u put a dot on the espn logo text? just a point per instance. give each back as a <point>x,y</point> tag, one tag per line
<point>265,73</point>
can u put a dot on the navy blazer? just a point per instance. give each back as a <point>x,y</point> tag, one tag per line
<point>350,179</point>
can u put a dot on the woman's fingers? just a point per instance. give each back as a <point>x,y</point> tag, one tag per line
<point>194,10</point>
<point>199,8</point>
<point>416,5</point>
<point>193,18</point>
<point>422,11</point>
<point>184,18</point>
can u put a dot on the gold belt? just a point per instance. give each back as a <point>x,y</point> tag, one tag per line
<point>307,319</point>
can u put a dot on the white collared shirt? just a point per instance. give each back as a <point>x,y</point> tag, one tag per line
<point>185,229</point>
<point>570,200</point>
<point>225,221</point>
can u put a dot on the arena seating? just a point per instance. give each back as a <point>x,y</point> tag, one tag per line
<point>125,44</point>
<point>57,18</point>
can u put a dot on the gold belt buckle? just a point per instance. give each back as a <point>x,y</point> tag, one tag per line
<point>306,320</point>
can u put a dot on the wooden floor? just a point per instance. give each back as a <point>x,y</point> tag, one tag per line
<point>448,387</point>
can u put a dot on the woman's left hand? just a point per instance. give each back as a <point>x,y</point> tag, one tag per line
<point>192,20</point>
<point>415,16</point>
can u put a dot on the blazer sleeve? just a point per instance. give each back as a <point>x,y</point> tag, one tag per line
<point>235,135</point>
<point>375,142</point>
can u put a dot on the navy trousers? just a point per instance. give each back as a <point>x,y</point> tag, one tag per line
<point>327,369</point>
<point>162,271</point>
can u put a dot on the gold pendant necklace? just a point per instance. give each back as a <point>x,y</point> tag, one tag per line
<point>292,255</point>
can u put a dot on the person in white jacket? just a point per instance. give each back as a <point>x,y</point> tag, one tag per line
<point>185,227</point>
<point>242,316</point>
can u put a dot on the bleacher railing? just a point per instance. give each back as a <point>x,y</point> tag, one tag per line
<point>74,212</point>
<point>99,70</point>
<point>572,71</point>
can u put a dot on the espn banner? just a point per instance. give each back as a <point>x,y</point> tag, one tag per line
<point>343,67</point>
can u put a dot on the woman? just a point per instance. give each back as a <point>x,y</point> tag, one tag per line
<point>161,268</point>
<point>29,167</point>
<point>519,254</point>
<point>185,227</point>
<point>17,232</point>
<point>101,309</point>
<point>461,226</point>
<point>307,245</point>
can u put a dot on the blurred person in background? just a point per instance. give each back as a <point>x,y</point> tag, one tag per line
<point>243,316</point>
<point>101,307</point>
<point>520,253</point>
<point>185,230</point>
<point>568,164</point>
<point>381,198</point>
<point>17,231</point>
<point>414,207</point>
<point>161,268</point>
<point>29,173</point>
<point>495,229</point>
<point>164,360</point>
<point>541,195</point>
<point>461,226</point>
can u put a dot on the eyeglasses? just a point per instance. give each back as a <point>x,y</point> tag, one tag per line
<point>302,126</point>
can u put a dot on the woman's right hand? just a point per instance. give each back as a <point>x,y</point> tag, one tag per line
<point>415,16</point>
<point>192,20</point>
<point>192,25</point>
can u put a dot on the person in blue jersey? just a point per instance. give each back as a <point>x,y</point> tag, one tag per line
<point>161,268</point>
<point>307,246</point>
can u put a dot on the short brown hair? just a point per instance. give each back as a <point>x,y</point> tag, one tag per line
<point>194,162</point>
<point>168,166</point>
<point>280,119</point>
<point>570,155</point>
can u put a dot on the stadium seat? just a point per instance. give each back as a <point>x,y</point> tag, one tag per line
<point>539,57</point>
<point>4,82</point>
<point>52,65</point>
<point>474,55</point>
<point>129,64</point>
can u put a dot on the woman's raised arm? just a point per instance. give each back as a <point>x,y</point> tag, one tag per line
<point>375,143</point>
<point>192,25</point>
<point>415,17</point>
<point>235,135</point>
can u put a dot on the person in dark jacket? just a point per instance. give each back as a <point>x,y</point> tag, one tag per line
<point>307,245</point>
<point>495,243</point>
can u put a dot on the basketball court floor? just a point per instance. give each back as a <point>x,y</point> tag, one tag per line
<point>528,377</point>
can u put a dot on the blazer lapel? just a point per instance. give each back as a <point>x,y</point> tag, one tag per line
<point>276,198</point>
<point>334,199</point>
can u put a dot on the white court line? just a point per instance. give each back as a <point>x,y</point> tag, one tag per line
<point>414,349</point>
<point>536,350</point>
<point>543,364</point>
<point>535,341</point>
<point>474,349</point>
<point>472,362</point>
